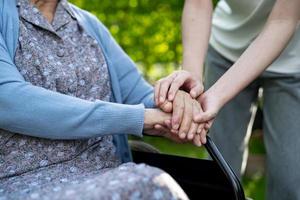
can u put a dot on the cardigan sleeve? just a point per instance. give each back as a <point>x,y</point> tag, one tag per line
<point>133,87</point>
<point>35,111</point>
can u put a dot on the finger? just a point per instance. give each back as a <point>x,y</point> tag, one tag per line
<point>164,88</point>
<point>187,118</point>
<point>209,124</point>
<point>159,128</point>
<point>197,90</point>
<point>176,84</point>
<point>178,111</point>
<point>165,133</point>
<point>200,127</point>
<point>168,124</point>
<point>167,106</point>
<point>194,126</point>
<point>204,117</point>
<point>156,92</point>
<point>197,110</point>
<point>192,132</point>
<point>174,131</point>
<point>203,136</point>
<point>197,140</point>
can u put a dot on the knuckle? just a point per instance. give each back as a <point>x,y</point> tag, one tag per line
<point>176,83</point>
<point>165,84</point>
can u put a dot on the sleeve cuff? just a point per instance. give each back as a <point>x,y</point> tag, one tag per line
<point>122,118</point>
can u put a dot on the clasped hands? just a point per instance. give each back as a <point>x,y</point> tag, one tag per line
<point>185,113</point>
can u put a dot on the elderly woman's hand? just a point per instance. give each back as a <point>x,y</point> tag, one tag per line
<point>157,123</point>
<point>183,109</point>
<point>155,116</point>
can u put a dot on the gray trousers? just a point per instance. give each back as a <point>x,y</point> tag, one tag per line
<point>281,126</point>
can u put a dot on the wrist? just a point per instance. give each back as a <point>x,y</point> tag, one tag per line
<point>153,117</point>
<point>195,71</point>
<point>216,96</point>
<point>147,119</point>
<point>195,67</point>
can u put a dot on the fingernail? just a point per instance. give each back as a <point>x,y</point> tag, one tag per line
<point>198,144</point>
<point>161,99</point>
<point>176,126</point>
<point>182,135</point>
<point>193,94</point>
<point>204,140</point>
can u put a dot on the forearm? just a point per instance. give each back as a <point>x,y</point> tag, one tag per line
<point>259,55</point>
<point>38,112</point>
<point>196,26</point>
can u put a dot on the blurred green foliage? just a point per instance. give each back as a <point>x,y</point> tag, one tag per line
<point>149,31</point>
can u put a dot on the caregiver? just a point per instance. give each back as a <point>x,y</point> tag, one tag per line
<point>253,44</point>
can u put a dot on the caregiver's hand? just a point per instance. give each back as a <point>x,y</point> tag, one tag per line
<point>166,88</point>
<point>211,105</point>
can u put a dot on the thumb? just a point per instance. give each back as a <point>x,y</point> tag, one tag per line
<point>196,91</point>
<point>167,106</point>
<point>204,117</point>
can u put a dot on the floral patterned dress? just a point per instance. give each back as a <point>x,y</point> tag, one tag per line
<point>61,57</point>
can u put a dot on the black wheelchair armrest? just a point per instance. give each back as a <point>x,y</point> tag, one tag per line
<point>226,169</point>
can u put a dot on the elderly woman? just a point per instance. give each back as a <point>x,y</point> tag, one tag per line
<point>67,91</point>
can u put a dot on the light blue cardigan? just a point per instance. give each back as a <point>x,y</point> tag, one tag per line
<point>35,111</point>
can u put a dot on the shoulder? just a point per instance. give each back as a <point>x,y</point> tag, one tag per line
<point>9,25</point>
<point>92,25</point>
<point>8,11</point>
<point>87,18</point>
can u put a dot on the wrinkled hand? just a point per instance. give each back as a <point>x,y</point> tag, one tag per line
<point>157,123</point>
<point>183,109</point>
<point>166,88</point>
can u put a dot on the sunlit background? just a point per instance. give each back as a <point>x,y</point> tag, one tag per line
<point>149,31</point>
